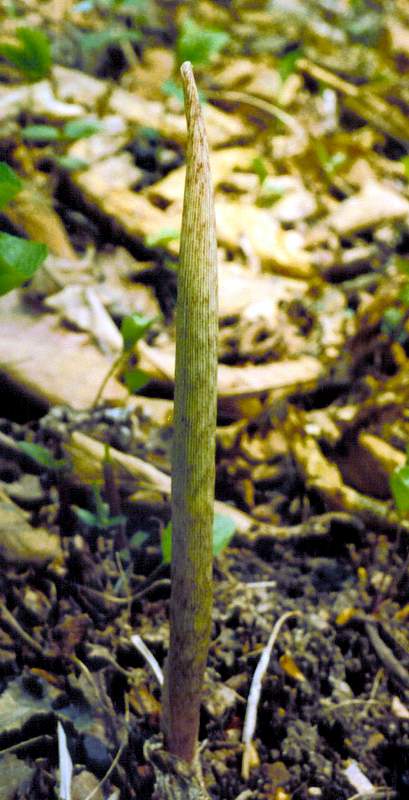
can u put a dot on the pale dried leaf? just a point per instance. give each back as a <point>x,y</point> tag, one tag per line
<point>20,543</point>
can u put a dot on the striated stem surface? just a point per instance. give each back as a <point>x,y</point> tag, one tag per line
<point>193,463</point>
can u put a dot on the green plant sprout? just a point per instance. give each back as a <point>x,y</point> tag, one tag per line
<point>19,258</point>
<point>71,131</point>
<point>288,63</point>
<point>43,457</point>
<point>100,520</point>
<point>394,318</point>
<point>197,44</point>
<point>405,162</point>
<point>163,237</point>
<point>331,163</point>
<point>193,458</point>
<point>115,30</point>
<point>399,483</point>
<point>223,531</point>
<point>31,56</point>
<point>133,328</point>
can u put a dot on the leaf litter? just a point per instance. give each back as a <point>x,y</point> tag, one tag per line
<point>306,111</point>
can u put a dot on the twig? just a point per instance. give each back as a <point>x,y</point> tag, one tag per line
<point>162,583</point>
<point>250,718</point>
<point>108,772</point>
<point>44,738</point>
<point>8,617</point>
<point>262,105</point>
<point>385,654</point>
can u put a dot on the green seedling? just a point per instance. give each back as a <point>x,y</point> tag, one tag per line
<point>31,56</point>
<point>331,163</point>
<point>100,520</point>
<point>58,468</point>
<point>258,165</point>
<point>133,328</point>
<point>405,162</point>
<point>109,36</point>
<point>399,483</point>
<point>43,457</point>
<point>163,237</point>
<point>197,44</point>
<point>394,318</point>
<point>19,258</point>
<point>193,458</point>
<point>10,184</point>
<point>223,531</point>
<point>288,63</point>
<point>74,129</point>
<point>115,31</point>
<point>393,324</point>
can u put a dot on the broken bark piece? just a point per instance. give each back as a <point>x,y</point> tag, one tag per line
<point>51,363</point>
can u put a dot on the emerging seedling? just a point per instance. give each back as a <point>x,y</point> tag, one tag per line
<point>193,463</point>
<point>133,328</point>
<point>19,258</point>
<point>31,55</point>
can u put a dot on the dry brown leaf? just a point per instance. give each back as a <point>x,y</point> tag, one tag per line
<point>375,204</point>
<point>55,365</point>
<point>20,543</point>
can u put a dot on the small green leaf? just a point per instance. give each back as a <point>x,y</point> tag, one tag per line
<point>42,456</point>
<point>172,89</point>
<point>402,264</point>
<point>391,320</point>
<point>19,260</point>
<point>162,237</point>
<point>258,165</point>
<point>223,530</point>
<point>135,379</point>
<point>10,184</point>
<point>404,295</point>
<point>198,44</point>
<point>137,539</point>
<point>399,482</point>
<point>109,36</point>
<point>166,544</point>
<point>32,56</point>
<point>288,63</point>
<point>329,162</point>
<point>405,162</point>
<point>133,328</point>
<point>81,128</point>
<point>86,517</point>
<point>70,163</point>
<point>41,133</point>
